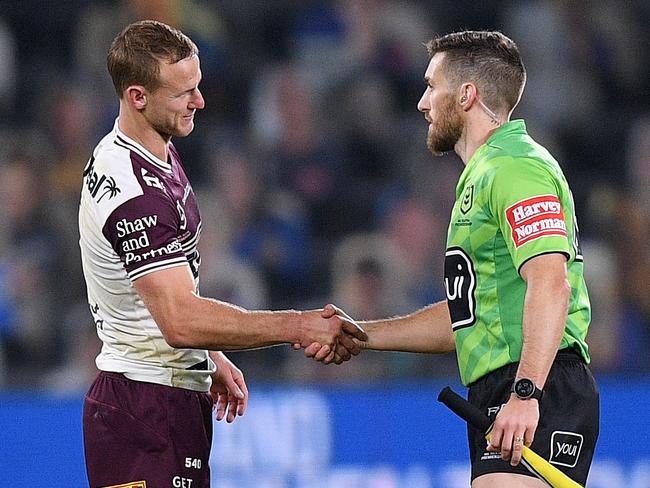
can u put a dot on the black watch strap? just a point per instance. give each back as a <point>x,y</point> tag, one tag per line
<point>525,389</point>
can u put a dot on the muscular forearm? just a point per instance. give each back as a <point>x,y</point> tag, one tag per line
<point>216,325</point>
<point>544,320</point>
<point>190,321</point>
<point>427,330</point>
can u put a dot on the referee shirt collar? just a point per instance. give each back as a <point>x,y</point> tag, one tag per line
<point>517,126</point>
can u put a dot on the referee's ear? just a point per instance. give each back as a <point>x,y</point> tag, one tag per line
<point>136,96</point>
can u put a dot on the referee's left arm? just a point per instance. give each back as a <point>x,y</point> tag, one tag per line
<point>545,312</point>
<point>546,307</point>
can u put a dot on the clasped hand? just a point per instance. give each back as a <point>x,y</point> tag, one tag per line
<point>336,341</point>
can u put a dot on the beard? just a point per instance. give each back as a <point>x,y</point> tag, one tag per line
<point>167,130</point>
<point>446,128</point>
<point>168,126</point>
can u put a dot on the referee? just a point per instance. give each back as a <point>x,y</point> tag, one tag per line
<point>517,309</point>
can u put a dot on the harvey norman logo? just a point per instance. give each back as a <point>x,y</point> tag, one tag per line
<point>536,217</point>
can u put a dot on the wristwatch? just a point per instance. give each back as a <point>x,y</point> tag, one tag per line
<point>526,389</point>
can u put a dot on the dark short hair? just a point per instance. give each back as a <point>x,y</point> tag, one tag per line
<point>135,54</point>
<point>489,59</point>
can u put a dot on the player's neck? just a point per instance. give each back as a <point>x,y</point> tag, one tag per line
<point>135,127</point>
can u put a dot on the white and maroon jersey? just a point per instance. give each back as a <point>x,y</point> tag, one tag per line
<point>138,215</point>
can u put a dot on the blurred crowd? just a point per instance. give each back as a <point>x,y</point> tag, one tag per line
<point>310,165</point>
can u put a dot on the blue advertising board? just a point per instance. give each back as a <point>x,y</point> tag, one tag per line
<point>387,435</point>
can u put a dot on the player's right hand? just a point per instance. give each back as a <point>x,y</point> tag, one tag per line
<point>347,343</point>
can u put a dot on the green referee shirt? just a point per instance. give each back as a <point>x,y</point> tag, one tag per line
<point>512,203</point>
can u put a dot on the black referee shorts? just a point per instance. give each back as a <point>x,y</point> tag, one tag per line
<point>568,422</point>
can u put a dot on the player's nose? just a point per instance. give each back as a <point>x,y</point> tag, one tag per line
<point>198,102</point>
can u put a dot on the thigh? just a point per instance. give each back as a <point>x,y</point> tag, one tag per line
<point>568,426</point>
<point>140,435</point>
<point>506,480</point>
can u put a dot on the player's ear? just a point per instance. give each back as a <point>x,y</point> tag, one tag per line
<point>136,96</point>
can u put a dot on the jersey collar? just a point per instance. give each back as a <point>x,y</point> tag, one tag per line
<point>513,127</point>
<point>125,141</point>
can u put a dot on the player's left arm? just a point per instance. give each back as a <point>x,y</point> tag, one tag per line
<point>544,319</point>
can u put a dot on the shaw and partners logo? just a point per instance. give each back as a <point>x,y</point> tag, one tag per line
<point>125,227</point>
<point>140,225</point>
<point>134,257</point>
<point>536,217</point>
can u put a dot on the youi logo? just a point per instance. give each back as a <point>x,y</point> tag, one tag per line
<point>565,448</point>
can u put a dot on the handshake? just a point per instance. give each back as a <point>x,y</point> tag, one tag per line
<point>330,335</point>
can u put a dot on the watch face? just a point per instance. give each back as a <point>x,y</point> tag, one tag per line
<point>524,388</point>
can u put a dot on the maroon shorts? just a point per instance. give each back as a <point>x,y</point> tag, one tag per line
<point>144,435</point>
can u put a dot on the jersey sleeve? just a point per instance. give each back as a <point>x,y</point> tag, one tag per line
<point>143,231</point>
<point>525,198</point>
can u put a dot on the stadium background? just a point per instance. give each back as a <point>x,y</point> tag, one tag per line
<point>315,185</point>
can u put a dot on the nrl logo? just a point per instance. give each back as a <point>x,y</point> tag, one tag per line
<point>468,199</point>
